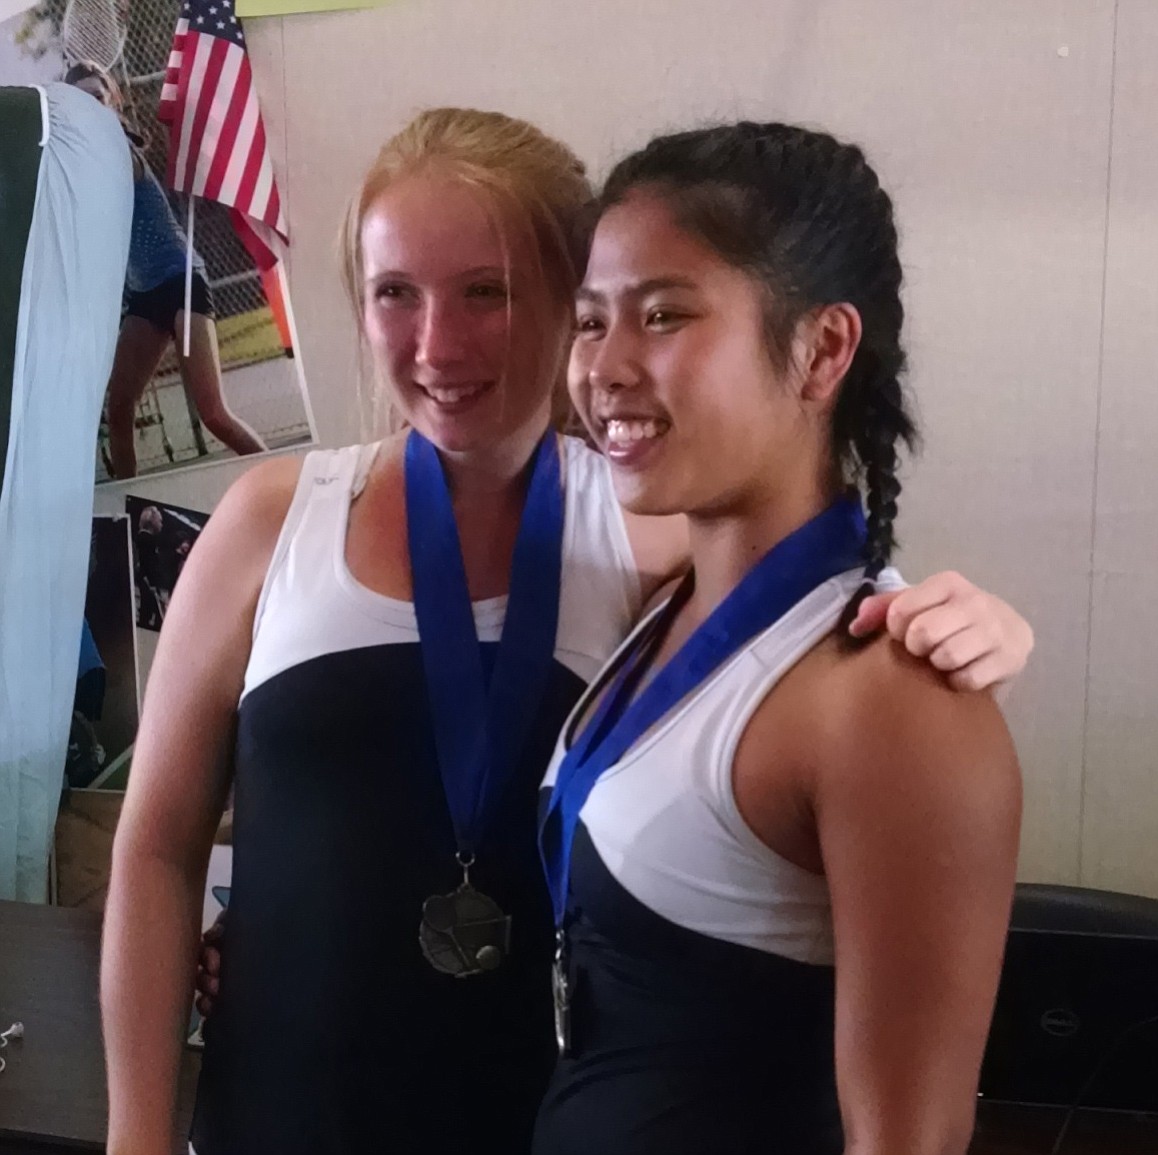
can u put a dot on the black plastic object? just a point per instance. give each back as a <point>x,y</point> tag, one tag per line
<point>1076,1021</point>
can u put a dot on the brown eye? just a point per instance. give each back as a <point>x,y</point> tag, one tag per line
<point>589,326</point>
<point>491,291</point>
<point>389,291</point>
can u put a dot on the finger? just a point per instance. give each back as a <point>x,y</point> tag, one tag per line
<point>211,960</point>
<point>934,591</point>
<point>933,627</point>
<point>871,614</point>
<point>217,931</point>
<point>962,649</point>
<point>204,1006</point>
<point>979,675</point>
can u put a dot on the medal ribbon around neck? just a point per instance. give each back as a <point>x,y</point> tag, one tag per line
<point>830,544</point>
<point>480,734</point>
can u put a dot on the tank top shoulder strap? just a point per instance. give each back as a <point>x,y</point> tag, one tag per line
<point>595,522</point>
<point>317,514</point>
<point>744,684</point>
<point>600,594</point>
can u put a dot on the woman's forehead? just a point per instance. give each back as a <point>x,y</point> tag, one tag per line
<point>436,226</point>
<point>639,240</point>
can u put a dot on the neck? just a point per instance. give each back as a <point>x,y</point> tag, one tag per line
<point>727,544</point>
<point>494,473</point>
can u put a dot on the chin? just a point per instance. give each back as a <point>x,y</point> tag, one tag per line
<point>453,437</point>
<point>638,497</point>
<point>453,433</point>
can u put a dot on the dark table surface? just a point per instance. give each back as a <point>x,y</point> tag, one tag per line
<point>1007,1129</point>
<point>52,1095</point>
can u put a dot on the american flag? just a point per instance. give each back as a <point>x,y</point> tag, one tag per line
<point>217,146</point>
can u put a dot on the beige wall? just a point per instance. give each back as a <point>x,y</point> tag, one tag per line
<point>1030,235</point>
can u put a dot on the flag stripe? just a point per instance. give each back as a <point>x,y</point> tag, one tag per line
<point>250,116</point>
<point>212,51</point>
<point>167,106</point>
<point>239,94</point>
<point>259,202</point>
<point>218,102</point>
<point>244,200</point>
<point>192,73</point>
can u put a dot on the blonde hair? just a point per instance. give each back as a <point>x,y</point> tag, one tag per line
<point>537,186</point>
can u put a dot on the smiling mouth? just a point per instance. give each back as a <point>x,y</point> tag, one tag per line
<point>627,439</point>
<point>450,396</point>
<point>622,433</point>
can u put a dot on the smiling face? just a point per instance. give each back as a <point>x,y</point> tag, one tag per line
<point>672,373</point>
<point>456,317</point>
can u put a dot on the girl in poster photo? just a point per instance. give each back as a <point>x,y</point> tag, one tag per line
<point>155,311</point>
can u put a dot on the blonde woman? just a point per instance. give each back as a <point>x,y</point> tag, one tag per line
<point>377,647</point>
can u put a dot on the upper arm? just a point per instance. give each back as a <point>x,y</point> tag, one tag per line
<point>660,548</point>
<point>182,757</point>
<point>918,808</point>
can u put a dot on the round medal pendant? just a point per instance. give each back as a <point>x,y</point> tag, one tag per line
<point>464,933</point>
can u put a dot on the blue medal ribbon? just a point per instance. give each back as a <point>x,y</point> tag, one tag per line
<point>830,544</point>
<point>480,731</point>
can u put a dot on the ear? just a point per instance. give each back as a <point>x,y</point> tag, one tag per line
<point>829,339</point>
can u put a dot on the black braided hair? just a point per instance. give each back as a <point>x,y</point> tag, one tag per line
<point>805,215</point>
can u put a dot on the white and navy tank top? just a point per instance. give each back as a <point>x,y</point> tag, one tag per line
<point>702,1015</point>
<point>332,1032</point>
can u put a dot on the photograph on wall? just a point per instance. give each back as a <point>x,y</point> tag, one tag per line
<point>107,702</point>
<point>162,537</point>
<point>239,389</point>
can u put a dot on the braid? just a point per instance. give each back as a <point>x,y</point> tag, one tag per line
<point>806,216</point>
<point>875,443</point>
<point>887,423</point>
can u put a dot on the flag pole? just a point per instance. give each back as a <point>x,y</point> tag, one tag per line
<point>283,281</point>
<point>189,273</point>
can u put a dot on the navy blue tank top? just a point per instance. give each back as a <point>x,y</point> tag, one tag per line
<point>701,961</point>
<point>331,1032</point>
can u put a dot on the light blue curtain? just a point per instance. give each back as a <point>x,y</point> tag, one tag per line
<point>66,330</point>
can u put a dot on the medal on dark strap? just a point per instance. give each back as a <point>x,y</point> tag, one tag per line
<point>830,544</point>
<point>480,732</point>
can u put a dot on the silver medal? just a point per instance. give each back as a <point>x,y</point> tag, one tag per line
<point>561,989</point>
<point>465,932</point>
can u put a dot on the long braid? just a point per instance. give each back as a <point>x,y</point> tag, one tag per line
<point>887,422</point>
<point>806,216</point>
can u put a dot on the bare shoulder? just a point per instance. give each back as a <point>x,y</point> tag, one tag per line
<point>892,729</point>
<point>236,545</point>
<point>264,492</point>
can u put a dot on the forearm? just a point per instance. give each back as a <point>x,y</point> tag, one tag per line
<point>147,965</point>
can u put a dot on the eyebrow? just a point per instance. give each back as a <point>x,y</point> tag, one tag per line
<point>465,275</point>
<point>637,289</point>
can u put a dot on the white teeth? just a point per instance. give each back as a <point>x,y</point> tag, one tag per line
<point>453,396</point>
<point>625,432</point>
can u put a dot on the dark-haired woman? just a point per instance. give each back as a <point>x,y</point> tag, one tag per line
<point>782,868</point>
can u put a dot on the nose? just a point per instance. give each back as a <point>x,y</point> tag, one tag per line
<point>613,362</point>
<point>441,338</point>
